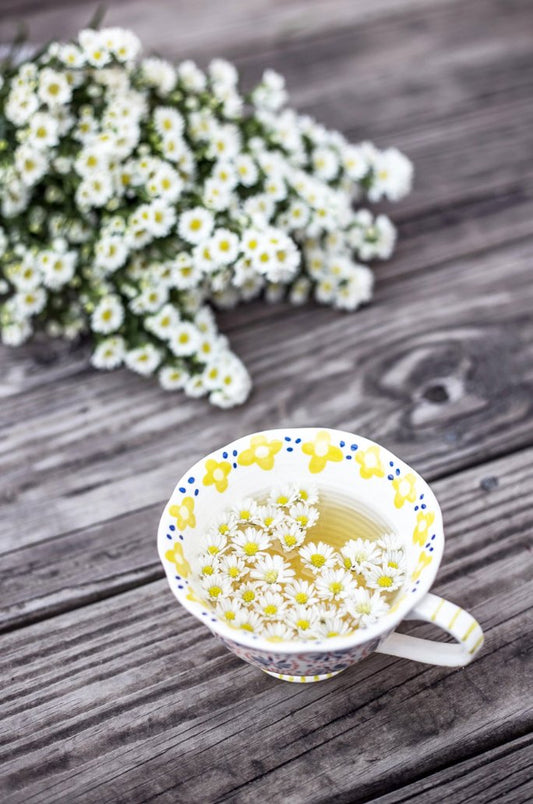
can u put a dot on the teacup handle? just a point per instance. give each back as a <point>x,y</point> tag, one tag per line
<point>451,618</point>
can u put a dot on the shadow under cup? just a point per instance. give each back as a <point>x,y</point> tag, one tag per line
<point>364,491</point>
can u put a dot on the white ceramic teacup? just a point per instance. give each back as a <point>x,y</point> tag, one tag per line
<point>376,482</point>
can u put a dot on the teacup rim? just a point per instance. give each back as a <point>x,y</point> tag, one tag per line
<point>378,631</point>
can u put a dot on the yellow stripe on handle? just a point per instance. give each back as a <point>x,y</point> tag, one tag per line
<point>478,643</point>
<point>455,616</point>
<point>434,615</point>
<point>469,631</point>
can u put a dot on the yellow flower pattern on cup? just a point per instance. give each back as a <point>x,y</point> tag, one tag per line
<point>405,489</point>
<point>216,474</point>
<point>424,520</point>
<point>321,451</point>
<point>424,559</point>
<point>261,451</point>
<point>184,513</point>
<point>370,463</point>
<point>176,557</point>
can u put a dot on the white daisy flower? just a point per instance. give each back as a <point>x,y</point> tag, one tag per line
<point>31,164</point>
<point>184,339</point>
<point>95,190</point>
<point>248,621</point>
<point>384,578</point>
<point>246,510</point>
<point>268,516</point>
<point>306,492</point>
<point>331,624</point>
<point>216,195</point>
<point>173,378</point>
<point>143,360</point>
<point>209,565</point>
<point>390,542</point>
<point>163,323</point>
<point>392,175</point>
<point>159,74</point>
<point>278,632</point>
<point>190,76</point>
<point>354,162</point>
<point>43,131</point>
<point>59,269</point>
<point>305,621</point>
<point>289,534</point>
<point>165,183</point>
<point>366,607</point>
<point>224,246</point>
<point>30,302</point>
<point>317,556</point>
<point>216,587</point>
<point>251,542</point>
<point>168,121</point>
<point>246,169</point>
<point>301,593</point>
<point>215,542</point>
<point>359,555</point>
<point>93,47</point>
<point>233,566</point>
<point>54,88</point>
<point>271,605</point>
<point>272,571</point>
<point>196,225</point>
<point>110,253</point>
<point>108,315</point>
<point>335,584</point>
<point>229,610</point>
<point>247,593</point>
<point>227,524</point>
<point>282,495</point>
<point>395,559</point>
<point>16,333</point>
<point>305,515</point>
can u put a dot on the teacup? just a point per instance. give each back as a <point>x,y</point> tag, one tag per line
<point>375,481</point>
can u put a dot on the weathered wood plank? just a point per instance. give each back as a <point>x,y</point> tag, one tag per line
<point>119,444</point>
<point>46,578</point>
<point>191,28</point>
<point>502,774</point>
<point>130,698</point>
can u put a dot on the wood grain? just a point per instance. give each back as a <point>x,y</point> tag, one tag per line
<point>113,694</point>
<point>133,695</point>
<point>502,774</point>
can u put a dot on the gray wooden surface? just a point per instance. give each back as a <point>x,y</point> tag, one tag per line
<point>109,691</point>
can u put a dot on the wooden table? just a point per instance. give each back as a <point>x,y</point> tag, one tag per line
<point>112,693</point>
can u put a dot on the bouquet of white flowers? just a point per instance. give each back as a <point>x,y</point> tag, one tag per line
<point>135,194</point>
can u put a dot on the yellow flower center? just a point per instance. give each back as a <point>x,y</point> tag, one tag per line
<point>318,560</point>
<point>207,570</point>
<point>270,610</point>
<point>233,572</point>
<point>215,591</point>
<point>248,596</point>
<point>335,587</point>
<point>247,627</point>
<point>229,615</point>
<point>250,548</point>
<point>303,625</point>
<point>385,581</point>
<point>289,539</point>
<point>213,549</point>
<point>195,224</point>
<point>271,576</point>
<point>301,597</point>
